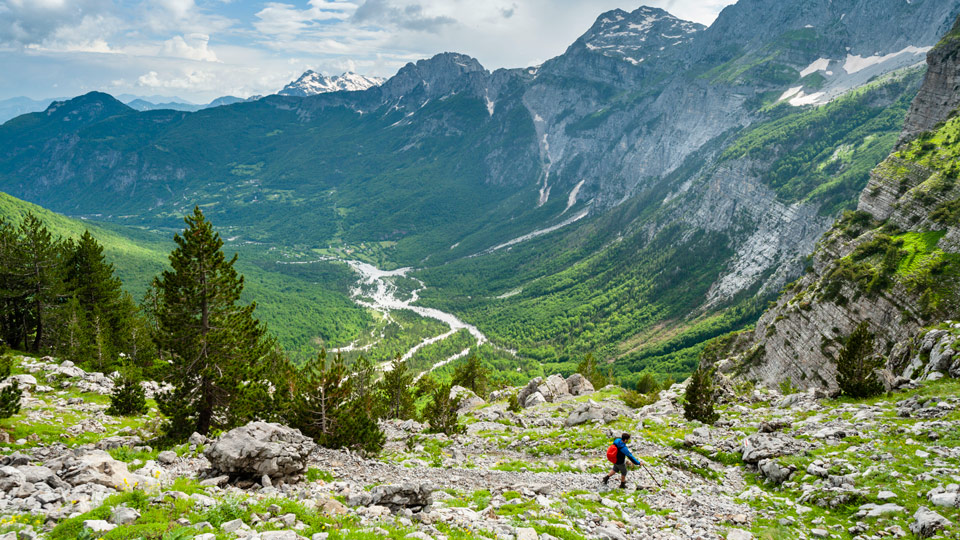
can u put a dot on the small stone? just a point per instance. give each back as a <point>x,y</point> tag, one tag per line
<point>122,515</point>
<point>233,526</point>
<point>167,457</point>
<point>739,534</point>
<point>886,495</point>
<point>98,525</point>
<point>921,454</point>
<point>820,533</point>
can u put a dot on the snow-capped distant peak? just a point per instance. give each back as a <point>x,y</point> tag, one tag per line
<point>312,83</point>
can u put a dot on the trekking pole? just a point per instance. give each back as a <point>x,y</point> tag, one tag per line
<point>652,477</point>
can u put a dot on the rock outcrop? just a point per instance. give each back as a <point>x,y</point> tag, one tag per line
<point>940,94</point>
<point>261,449</point>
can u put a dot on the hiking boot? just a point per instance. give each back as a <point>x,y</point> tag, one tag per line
<point>623,485</point>
<point>605,480</point>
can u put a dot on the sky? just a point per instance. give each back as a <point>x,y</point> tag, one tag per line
<point>198,50</point>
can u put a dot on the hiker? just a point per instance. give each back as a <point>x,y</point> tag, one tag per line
<point>618,454</point>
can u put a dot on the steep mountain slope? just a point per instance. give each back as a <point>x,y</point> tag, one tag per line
<point>312,83</point>
<point>658,171</point>
<point>895,262</point>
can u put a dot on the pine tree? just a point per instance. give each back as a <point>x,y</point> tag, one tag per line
<point>396,391</point>
<point>13,288</point>
<point>10,394</point>
<point>212,342</point>
<point>128,397</point>
<point>325,410</point>
<point>700,397</point>
<point>589,368</point>
<point>857,365</point>
<point>472,375</point>
<point>90,279</point>
<point>39,267</point>
<point>441,412</point>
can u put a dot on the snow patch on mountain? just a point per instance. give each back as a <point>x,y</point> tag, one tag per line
<point>312,83</point>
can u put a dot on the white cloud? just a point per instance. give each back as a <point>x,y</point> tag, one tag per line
<point>182,81</point>
<point>206,48</point>
<point>190,47</point>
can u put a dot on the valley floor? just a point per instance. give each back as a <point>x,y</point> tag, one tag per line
<point>775,466</point>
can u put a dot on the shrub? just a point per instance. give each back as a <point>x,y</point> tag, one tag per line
<point>513,403</point>
<point>647,384</point>
<point>128,397</point>
<point>857,365</point>
<point>701,397</point>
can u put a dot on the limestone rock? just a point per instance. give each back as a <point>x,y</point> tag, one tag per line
<point>589,412</point>
<point>760,446</point>
<point>468,400</point>
<point>578,385</point>
<point>926,522</point>
<point>261,449</point>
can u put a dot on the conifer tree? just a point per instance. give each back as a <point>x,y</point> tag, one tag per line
<point>396,391</point>
<point>700,397</point>
<point>441,412</point>
<point>857,365</point>
<point>38,265</point>
<point>326,410</point>
<point>10,394</point>
<point>13,289</point>
<point>128,397</point>
<point>212,342</point>
<point>472,375</point>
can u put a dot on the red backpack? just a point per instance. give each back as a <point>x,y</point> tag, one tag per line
<point>612,453</point>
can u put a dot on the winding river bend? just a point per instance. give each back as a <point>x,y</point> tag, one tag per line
<point>378,290</point>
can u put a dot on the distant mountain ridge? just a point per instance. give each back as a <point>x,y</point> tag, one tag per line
<point>312,83</point>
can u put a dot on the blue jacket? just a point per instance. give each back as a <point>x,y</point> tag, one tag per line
<point>623,452</point>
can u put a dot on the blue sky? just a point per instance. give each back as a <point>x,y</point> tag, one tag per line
<point>202,49</point>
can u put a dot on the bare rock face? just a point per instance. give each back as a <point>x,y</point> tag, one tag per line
<point>468,400</point>
<point>579,385</point>
<point>261,449</point>
<point>941,89</point>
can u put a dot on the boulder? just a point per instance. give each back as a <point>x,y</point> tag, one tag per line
<point>578,385</point>
<point>261,449</point>
<point>530,388</point>
<point>926,522</point>
<point>533,400</point>
<point>122,515</point>
<point>396,497</point>
<point>554,388</point>
<point>775,472</point>
<point>98,467</point>
<point>739,534</point>
<point>11,479</point>
<point>590,411</point>
<point>468,400</point>
<point>760,446</point>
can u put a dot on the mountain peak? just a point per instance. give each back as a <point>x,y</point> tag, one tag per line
<point>87,108</point>
<point>312,83</point>
<point>636,35</point>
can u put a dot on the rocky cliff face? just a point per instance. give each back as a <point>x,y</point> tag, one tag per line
<point>940,94</point>
<point>894,263</point>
